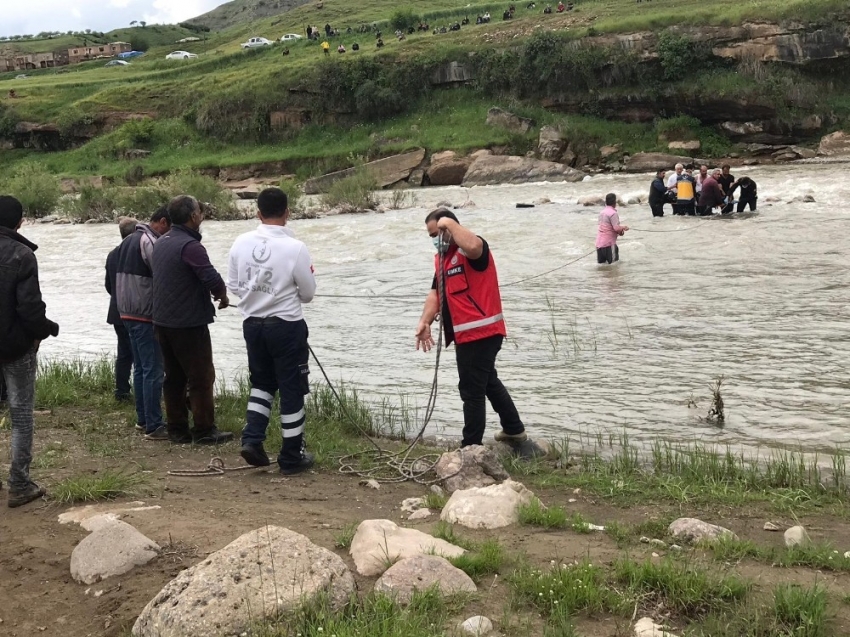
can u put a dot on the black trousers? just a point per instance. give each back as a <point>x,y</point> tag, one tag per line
<point>657,209</point>
<point>743,203</point>
<point>476,368</point>
<point>123,361</point>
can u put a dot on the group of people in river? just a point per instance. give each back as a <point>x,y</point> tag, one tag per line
<point>702,193</point>
<point>162,286</point>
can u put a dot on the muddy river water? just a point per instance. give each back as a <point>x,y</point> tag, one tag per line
<point>760,301</point>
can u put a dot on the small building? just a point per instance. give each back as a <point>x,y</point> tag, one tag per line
<point>82,53</point>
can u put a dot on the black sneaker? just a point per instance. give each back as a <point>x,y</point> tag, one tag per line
<point>140,427</point>
<point>180,436</point>
<point>124,398</point>
<point>255,455</point>
<point>211,437</point>
<point>20,498</point>
<point>158,434</point>
<point>307,461</point>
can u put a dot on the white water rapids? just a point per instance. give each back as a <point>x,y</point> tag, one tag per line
<point>760,301</point>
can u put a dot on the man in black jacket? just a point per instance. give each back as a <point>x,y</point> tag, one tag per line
<point>124,354</point>
<point>23,325</point>
<point>658,194</point>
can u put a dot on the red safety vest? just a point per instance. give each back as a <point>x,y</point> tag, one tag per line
<point>473,297</point>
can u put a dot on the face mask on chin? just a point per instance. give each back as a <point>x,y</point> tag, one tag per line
<point>439,245</point>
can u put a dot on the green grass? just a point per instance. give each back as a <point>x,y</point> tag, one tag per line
<point>445,531</point>
<point>74,382</point>
<point>565,588</point>
<point>486,558</point>
<point>106,485</point>
<point>822,557</point>
<point>554,517</point>
<point>436,500</point>
<point>343,539</point>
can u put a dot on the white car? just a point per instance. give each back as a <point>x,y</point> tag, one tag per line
<point>22,76</point>
<point>290,37</point>
<point>117,63</point>
<point>254,43</point>
<point>181,55</point>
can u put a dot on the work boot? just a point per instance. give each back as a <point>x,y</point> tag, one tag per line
<point>503,436</point>
<point>307,461</point>
<point>255,455</point>
<point>30,493</point>
<point>179,435</point>
<point>159,434</point>
<point>211,437</point>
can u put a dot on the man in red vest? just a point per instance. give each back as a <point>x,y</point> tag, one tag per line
<point>471,314</point>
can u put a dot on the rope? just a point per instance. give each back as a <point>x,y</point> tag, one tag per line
<point>677,230</point>
<point>216,467</point>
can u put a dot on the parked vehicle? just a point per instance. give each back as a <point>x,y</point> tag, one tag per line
<point>117,63</point>
<point>290,37</point>
<point>254,43</point>
<point>129,54</point>
<point>22,76</point>
<point>180,55</point>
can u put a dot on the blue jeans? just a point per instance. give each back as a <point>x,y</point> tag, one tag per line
<point>123,361</point>
<point>147,374</point>
<point>19,377</point>
<point>277,361</point>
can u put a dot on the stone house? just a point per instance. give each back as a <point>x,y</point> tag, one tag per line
<point>79,54</point>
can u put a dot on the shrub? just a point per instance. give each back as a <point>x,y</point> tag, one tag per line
<point>293,196</point>
<point>35,187</point>
<point>404,19</point>
<point>377,102</point>
<point>679,55</point>
<point>203,188</point>
<point>139,43</point>
<point>8,121</point>
<point>352,194</point>
<point>92,203</point>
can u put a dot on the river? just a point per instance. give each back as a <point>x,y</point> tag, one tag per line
<point>760,301</point>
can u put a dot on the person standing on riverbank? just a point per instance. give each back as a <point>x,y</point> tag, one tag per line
<point>134,300</point>
<point>124,352</point>
<point>608,231</point>
<point>272,273</point>
<point>471,314</point>
<point>183,281</point>
<point>23,325</point>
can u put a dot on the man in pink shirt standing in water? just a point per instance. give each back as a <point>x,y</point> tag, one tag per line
<point>609,230</point>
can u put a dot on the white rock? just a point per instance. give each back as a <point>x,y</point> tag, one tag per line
<point>264,573</point>
<point>421,573</point>
<point>409,505</point>
<point>797,536</point>
<point>595,527</point>
<point>591,200</point>
<point>371,484</point>
<point>420,514</point>
<point>487,507</point>
<point>537,202</point>
<point>379,543</point>
<point>77,515</point>
<point>645,627</point>
<point>113,548</point>
<point>770,526</point>
<point>659,543</point>
<point>695,530</point>
<point>474,466</point>
<point>477,626</point>
<point>436,488</point>
<point>847,555</point>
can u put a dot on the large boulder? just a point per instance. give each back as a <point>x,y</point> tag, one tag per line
<point>448,170</point>
<point>377,544</point>
<point>689,146</point>
<point>504,119</point>
<point>694,530</point>
<point>487,507</point>
<point>113,548</point>
<point>835,144</point>
<point>511,169</point>
<point>550,144</point>
<point>386,171</point>
<point>650,162</point>
<point>420,573</point>
<point>474,466</point>
<point>263,573</point>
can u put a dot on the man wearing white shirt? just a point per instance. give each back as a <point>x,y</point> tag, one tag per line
<point>272,273</point>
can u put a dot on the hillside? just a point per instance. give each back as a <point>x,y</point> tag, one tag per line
<point>238,12</point>
<point>612,72</point>
<point>153,35</point>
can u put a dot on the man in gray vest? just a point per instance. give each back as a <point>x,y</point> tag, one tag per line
<point>183,281</point>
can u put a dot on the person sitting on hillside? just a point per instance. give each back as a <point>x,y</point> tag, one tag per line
<point>530,5</point>
<point>340,49</point>
<point>348,30</point>
<point>355,47</point>
<point>379,43</point>
<point>401,37</point>
<point>479,20</point>
<point>286,51</point>
<point>561,7</point>
<point>507,15</point>
<point>548,9</point>
<point>464,22</point>
<point>455,26</point>
<point>410,30</point>
<point>487,17</point>
<point>378,35</point>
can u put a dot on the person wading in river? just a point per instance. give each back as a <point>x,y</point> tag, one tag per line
<point>183,281</point>
<point>471,314</point>
<point>23,325</point>
<point>608,231</point>
<point>272,273</point>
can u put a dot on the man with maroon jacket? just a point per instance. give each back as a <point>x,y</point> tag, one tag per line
<point>471,314</point>
<point>23,325</point>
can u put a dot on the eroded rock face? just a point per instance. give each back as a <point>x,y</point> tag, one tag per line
<point>650,162</point>
<point>511,169</point>
<point>377,544</point>
<point>695,530</point>
<point>263,573</point>
<point>420,573</point>
<point>550,144</point>
<point>490,507</point>
<point>835,144</point>
<point>505,119</point>
<point>113,548</point>
<point>386,171</point>
<point>474,466</point>
<point>449,171</point>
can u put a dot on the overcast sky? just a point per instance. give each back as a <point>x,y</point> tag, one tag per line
<point>32,16</point>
